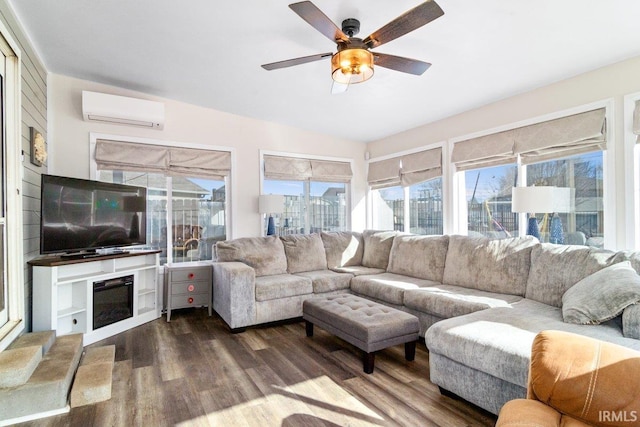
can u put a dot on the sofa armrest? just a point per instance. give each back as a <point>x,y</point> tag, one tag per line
<point>583,377</point>
<point>234,293</point>
<point>631,321</point>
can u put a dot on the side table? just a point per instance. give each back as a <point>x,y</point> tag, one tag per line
<point>188,286</point>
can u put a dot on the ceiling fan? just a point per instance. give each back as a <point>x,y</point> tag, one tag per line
<point>353,62</point>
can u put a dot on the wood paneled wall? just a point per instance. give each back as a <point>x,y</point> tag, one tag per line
<point>34,114</point>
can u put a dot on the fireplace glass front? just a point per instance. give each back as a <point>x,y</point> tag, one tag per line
<point>112,301</point>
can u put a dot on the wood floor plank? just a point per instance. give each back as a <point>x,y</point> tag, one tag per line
<point>194,372</point>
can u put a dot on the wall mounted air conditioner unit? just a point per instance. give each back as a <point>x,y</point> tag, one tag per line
<point>105,108</point>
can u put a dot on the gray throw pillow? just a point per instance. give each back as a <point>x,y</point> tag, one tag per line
<point>601,296</point>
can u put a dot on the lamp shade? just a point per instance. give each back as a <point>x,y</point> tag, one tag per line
<point>542,199</point>
<point>271,203</point>
<point>351,66</point>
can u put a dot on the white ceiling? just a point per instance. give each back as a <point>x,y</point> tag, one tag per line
<point>208,53</point>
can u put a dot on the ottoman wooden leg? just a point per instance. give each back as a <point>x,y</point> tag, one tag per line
<point>309,327</point>
<point>367,362</point>
<point>410,350</point>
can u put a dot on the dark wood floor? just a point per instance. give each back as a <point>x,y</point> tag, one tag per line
<point>193,371</point>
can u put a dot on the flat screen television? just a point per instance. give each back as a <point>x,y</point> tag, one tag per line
<point>80,216</point>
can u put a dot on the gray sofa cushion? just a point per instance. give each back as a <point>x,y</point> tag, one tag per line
<point>419,256</point>
<point>282,286</point>
<point>499,266</point>
<point>602,295</point>
<point>377,246</point>
<point>305,252</point>
<point>358,270</point>
<point>631,321</point>
<point>549,277</point>
<point>449,301</point>
<point>264,254</point>
<point>343,248</point>
<point>387,287</point>
<point>327,280</point>
<point>498,341</point>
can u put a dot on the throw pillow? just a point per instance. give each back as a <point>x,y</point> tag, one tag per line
<point>304,252</point>
<point>601,296</point>
<point>377,245</point>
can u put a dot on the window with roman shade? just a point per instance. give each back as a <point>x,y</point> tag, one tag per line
<point>413,181</point>
<point>186,193</point>
<point>315,193</point>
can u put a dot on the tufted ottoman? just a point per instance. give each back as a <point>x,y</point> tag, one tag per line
<point>365,324</point>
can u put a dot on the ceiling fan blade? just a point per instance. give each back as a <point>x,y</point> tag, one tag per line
<point>399,63</point>
<point>318,20</point>
<point>337,88</point>
<point>405,23</point>
<point>296,61</point>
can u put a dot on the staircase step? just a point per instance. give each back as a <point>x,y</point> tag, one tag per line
<point>17,365</point>
<point>94,377</point>
<point>45,339</point>
<point>47,390</point>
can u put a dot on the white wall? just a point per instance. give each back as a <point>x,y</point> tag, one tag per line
<point>612,82</point>
<point>186,123</point>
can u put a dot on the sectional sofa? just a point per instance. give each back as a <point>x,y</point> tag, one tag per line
<point>480,302</point>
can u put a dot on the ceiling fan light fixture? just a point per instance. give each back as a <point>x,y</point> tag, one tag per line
<point>350,66</point>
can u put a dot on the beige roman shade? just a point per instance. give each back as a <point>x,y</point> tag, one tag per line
<point>636,121</point>
<point>563,137</point>
<point>421,166</point>
<point>195,162</point>
<point>489,150</point>
<point>131,156</point>
<point>301,169</point>
<point>330,171</point>
<point>384,173</point>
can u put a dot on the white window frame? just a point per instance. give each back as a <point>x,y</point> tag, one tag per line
<point>631,174</point>
<point>348,190</point>
<point>230,188</point>
<point>13,164</point>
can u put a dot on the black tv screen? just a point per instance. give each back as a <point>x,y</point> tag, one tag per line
<point>80,215</point>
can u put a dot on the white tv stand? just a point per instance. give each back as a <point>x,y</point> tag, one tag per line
<point>63,292</point>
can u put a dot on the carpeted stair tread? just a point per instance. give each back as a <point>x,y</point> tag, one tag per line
<point>48,387</point>
<point>17,365</point>
<point>45,339</point>
<point>94,376</point>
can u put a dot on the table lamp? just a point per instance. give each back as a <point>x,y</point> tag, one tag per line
<point>543,199</point>
<point>270,204</point>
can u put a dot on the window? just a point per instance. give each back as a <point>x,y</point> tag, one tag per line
<point>315,194</point>
<point>488,196</point>
<point>407,192</point>
<point>584,225</point>
<point>425,207</point>
<point>388,205</point>
<point>186,193</point>
<point>195,208</point>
